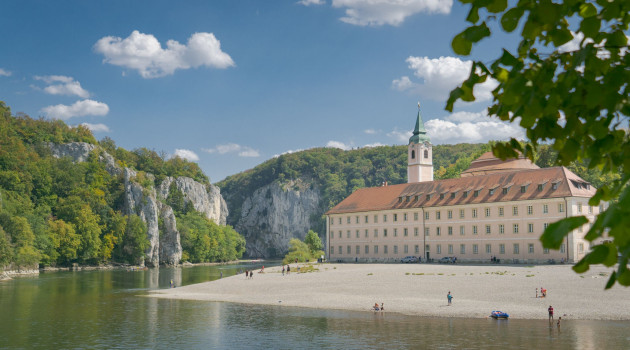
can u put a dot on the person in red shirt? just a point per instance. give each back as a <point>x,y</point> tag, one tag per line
<point>550,309</point>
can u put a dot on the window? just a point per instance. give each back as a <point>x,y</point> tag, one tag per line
<point>540,187</point>
<point>516,248</point>
<point>488,231</point>
<point>439,249</point>
<point>366,233</point>
<point>385,218</point>
<point>375,219</point>
<point>416,249</point>
<point>384,232</point>
<point>515,210</point>
<point>449,214</point>
<point>348,234</point>
<point>406,233</point>
<point>437,231</point>
<point>384,249</point>
<point>487,212</point>
<point>395,232</point>
<point>474,229</point>
<point>367,249</point>
<point>428,196</point>
<point>505,190</point>
<point>395,249</point>
<point>357,250</point>
<point>415,231</point>
<point>491,191</point>
<point>441,195</point>
<point>339,234</point>
<point>530,248</point>
<point>427,248</point>
<point>465,194</point>
<point>530,210</point>
<point>530,228</point>
<point>375,233</point>
<point>462,249</point>
<point>450,230</point>
<point>452,195</point>
<point>475,248</point>
<point>501,248</point>
<point>461,213</point>
<point>476,193</point>
<point>357,233</point>
<point>405,217</point>
<point>375,249</point>
<point>426,231</point>
<point>500,211</point>
<point>501,228</point>
<point>450,249</point>
<point>560,207</point>
<point>554,186</point>
<point>366,219</point>
<point>415,216</point>
<point>523,189</point>
<point>590,209</point>
<point>545,250</point>
<point>474,213</point>
<point>413,154</point>
<point>545,208</point>
<point>356,219</point>
<point>426,215</point>
<point>406,249</point>
<point>515,228</point>
<point>348,250</point>
<point>426,153</point>
<point>462,230</point>
<point>579,207</point>
<point>332,250</point>
<point>488,248</point>
<point>348,219</point>
<point>437,215</point>
<point>339,221</point>
<point>395,217</point>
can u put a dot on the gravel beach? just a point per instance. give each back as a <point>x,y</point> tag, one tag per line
<point>421,289</point>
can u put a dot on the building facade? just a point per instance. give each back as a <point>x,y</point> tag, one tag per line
<point>495,209</point>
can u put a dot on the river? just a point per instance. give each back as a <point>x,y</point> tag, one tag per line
<point>106,310</point>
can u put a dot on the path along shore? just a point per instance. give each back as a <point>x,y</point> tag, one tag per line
<point>421,289</point>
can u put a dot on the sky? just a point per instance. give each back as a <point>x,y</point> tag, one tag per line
<point>230,84</point>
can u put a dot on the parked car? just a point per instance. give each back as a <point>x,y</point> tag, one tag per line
<point>409,259</point>
<point>448,260</point>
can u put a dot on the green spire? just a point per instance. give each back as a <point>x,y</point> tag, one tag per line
<point>419,132</point>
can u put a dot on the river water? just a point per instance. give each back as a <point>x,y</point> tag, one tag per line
<point>105,310</point>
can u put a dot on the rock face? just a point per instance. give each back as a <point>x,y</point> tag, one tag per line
<point>165,248</point>
<point>274,214</point>
<point>204,200</point>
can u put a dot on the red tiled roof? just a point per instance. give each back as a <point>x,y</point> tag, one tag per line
<point>487,163</point>
<point>387,197</point>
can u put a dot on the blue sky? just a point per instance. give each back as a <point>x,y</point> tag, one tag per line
<point>230,84</point>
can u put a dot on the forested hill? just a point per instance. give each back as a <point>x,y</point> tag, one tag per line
<point>112,205</point>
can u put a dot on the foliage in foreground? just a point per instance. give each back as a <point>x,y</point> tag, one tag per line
<point>305,251</point>
<point>576,98</point>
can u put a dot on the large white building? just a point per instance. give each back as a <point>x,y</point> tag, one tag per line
<point>495,209</point>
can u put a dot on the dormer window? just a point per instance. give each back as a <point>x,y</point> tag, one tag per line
<point>400,199</point>
<point>408,198</point>
<point>491,191</point>
<point>441,195</point>
<point>540,187</point>
<point>416,198</point>
<point>465,194</point>
<point>428,196</point>
<point>476,193</point>
<point>453,195</point>
<point>505,190</point>
<point>523,189</point>
<point>554,186</point>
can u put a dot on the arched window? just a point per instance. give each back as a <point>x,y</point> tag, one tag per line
<point>426,153</point>
<point>413,154</point>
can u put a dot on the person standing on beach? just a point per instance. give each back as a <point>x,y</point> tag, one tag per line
<point>282,270</point>
<point>246,274</point>
<point>559,319</point>
<point>550,310</point>
<point>536,293</point>
<point>449,297</point>
<point>288,269</point>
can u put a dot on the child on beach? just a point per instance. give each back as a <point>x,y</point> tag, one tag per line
<point>449,297</point>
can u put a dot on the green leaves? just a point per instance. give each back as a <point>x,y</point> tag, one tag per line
<point>554,234</point>
<point>510,19</point>
<point>462,42</point>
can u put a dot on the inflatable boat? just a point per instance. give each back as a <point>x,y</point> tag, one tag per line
<point>499,314</point>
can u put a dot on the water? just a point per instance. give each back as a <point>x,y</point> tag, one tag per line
<point>104,310</point>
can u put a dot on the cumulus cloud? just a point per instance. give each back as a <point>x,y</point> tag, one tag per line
<point>144,53</point>
<point>392,12</point>
<point>440,76</point>
<point>400,135</point>
<point>288,152</point>
<point>370,131</point>
<point>376,144</point>
<point>62,85</point>
<point>471,128</point>
<point>186,154</point>
<point>338,144</point>
<point>310,2</point>
<point>77,109</point>
<point>96,127</point>
<point>5,73</point>
<point>241,151</point>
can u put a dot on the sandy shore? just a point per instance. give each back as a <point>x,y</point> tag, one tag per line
<point>418,289</point>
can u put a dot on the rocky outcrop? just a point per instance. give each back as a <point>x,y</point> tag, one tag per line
<point>204,199</point>
<point>170,245</point>
<point>274,214</point>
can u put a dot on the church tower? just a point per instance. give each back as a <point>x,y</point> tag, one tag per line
<point>419,154</point>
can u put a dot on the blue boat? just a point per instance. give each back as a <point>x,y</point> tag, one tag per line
<point>499,314</point>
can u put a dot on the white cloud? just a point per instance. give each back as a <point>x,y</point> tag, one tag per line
<point>77,109</point>
<point>186,154</point>
<point>62,85</point>
<point>392,12</point>
<point>5,73</point>
<point>574,45</point>
<point>400,136</point>
<point>440,76</point>
<point>96,127</point>
<point>338,144</point>
<point>310,2</point>
<point>472,128</point>
<point>144,53</point>
<point>370,131</point>
<point>376,144</point>
<point>242,151</point>
<point>288,152</point>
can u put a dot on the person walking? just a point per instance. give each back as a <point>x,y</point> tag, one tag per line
<point>282,270</point>
<point>246,274</point>
<point>449,296</point>
<point>536,293</point>
<point>550,310</point>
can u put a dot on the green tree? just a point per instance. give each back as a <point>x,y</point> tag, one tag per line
<point>87,227</point>
<point>135,239</point>
<point>65,240</point>
<point>6,252</point>
<point>313,242</point>
<point>297,250</point>
<point>577,98</point>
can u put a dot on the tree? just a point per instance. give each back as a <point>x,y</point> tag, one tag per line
<point>313,241</point>
<point>6,252</point>
<point>297,250</point>
<point>135,239</point>
<point>65,240</point>
<point>576,98</point>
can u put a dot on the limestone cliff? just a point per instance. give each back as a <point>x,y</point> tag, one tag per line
<point>274,214</point>
<point>204,199</point>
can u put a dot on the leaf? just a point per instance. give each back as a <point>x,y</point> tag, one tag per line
<point>554,234</point>
<point>582,266</point>
<point>497,6</point>
<point>611,280</point>
<point>587,10</point>
<point>510,19</point>
<point>617,39</point>
<point>476,33</point>
<point>461,45</point>
<point>590,26</point>
<point>598,255</point>
<point>473,15</point>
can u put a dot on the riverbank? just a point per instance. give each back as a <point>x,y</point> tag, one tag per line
<point>420,289</point>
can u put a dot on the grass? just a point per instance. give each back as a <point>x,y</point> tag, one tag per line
<point>308,268</point>
<point>529,275</point>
